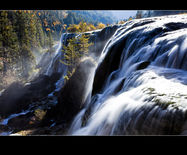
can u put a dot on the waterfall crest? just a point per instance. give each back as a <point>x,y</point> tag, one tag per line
<point>142,75</point>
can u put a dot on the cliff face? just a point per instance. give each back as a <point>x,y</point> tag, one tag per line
<point>76,93</point>
<point>46,89</point>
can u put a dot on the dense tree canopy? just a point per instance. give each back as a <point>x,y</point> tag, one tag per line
<point>24,31</point>
<point>77,48</point>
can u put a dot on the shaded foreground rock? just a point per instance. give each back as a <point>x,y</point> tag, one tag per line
<point>18,97</point>
<point>73,95</point>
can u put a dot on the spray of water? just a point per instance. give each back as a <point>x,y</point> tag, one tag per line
<point>150,99</point>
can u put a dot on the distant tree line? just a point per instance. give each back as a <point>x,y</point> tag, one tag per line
<point>154,13</point>
<point>93,17</point>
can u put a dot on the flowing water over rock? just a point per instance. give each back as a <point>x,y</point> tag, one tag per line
<point>143,71</point>
<point>43,91</point>
<point>133,83</point>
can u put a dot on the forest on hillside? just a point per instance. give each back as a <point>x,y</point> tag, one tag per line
<point>26,34</point>
<point>82,72</point>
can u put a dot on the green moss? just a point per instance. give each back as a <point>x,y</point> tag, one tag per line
<point>163,104</point>
<point>159,101</point>
<point>39,114</point>
<point>161,94</point>
<point>156,98</point>
<point>149,90</point>
<point>66,77</point>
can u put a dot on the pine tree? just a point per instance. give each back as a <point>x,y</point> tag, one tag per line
<point>8,37</point>
<point>8,41</point>
<point>27,61</point>
<point>50,39</point>
<point>100,26</point>
<point>40,34</point>
<point>77,48</point>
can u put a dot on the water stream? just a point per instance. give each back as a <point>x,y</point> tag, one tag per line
<point>144,90</point>
<point>150,99</point>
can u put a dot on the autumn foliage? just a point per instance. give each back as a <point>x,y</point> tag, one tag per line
<point>84,27</point>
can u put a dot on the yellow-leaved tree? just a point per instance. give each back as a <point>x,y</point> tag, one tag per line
<point>77,48</point>
<point>81,27</point>
<point>100,26</point>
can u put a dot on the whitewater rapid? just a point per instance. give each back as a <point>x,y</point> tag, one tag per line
<point>148,100</point>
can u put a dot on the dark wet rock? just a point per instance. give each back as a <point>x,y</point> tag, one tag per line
<point>18,97</point>
<point>89,110</point>
<point>4,128</point>
<point>119,87</point>
<point>28,121</point>
<point>100,39</point>
<point>13,99</point>
<point>73,95</point>
<point>143,65</point>
<point>22,122</point>
<point>175,26</point>
<point>109,64</point>
<point>43,85</point>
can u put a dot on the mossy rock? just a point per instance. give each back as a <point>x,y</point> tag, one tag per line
<point>161,99</point>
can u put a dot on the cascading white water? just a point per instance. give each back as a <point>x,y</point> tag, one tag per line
<point>147,100</point>
<point>57,56</point>
<point>56,66</point>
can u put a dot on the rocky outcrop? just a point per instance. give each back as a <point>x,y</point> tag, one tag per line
<point>100,38</point>
<point>109,64</point>
<point>18,97</point>
<point>74,95</point>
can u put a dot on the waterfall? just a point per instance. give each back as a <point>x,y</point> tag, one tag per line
<point>57,56</point>
<point>145,89</point>
<point>133,82</point>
